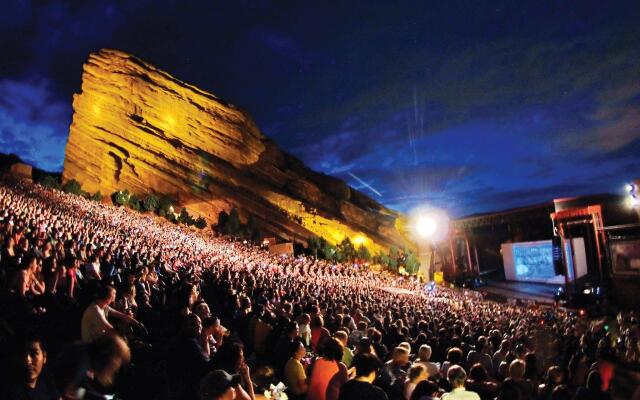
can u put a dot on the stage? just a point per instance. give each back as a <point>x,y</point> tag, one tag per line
<point>505,290</point>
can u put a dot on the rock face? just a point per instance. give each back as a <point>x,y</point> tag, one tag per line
<point>138,128</point>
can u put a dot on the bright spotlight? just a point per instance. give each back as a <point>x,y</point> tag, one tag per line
<point>633,202</point>
<point>430,224</point>
<point>426,226</point>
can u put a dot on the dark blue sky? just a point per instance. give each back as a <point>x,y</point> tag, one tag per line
<point>468,106</point>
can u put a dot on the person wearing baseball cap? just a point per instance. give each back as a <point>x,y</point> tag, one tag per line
<point>219,385</point>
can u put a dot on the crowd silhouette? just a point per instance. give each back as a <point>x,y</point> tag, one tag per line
<point>99,300</point>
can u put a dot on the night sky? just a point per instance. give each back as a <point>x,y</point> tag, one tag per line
<point>469,106</point>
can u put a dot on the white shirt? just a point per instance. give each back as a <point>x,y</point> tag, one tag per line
<point>460,394</point>
<point>94,319</point>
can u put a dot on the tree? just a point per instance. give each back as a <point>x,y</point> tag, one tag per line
<point>394,255</point>
<point>363,253</point>
<point>329,252</point>
<point>411,263</point>
<point>346,250</point>
<point>185,217</point>
<point>251,230</point>
<point>150,203</point>
<point>201,223</point>
<point>134,202</point>
<point>97,196</point>
<point>165,206</point>
<point>315,245</point>
<point>220,227</point>
<point>72,186</point>
<point>121,197</point>
<point>50,181</point>
<point>233,226</point>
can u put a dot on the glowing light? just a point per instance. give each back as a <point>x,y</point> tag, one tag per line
<point>629,187</point>
<point>431,224</point>
<point>426,226</point>
<point>633,202</point>
<point>359,240</point>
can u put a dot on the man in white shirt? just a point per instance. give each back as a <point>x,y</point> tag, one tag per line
<point>457,377</point>
<point>94,318</point>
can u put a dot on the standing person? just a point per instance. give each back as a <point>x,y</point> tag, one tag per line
<point>328,373</point>
<point>417,373</point>
<point>319,334</point>
<point>424,358</point>
<point>553,378</point>
<point>457,378</point>
<point>361,387</point>
<point>294,375</point>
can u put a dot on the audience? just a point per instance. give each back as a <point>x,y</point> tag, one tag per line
<point>103,286</point>
<point>361,387</point>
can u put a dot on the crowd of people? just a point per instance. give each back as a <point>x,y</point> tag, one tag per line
<point>99,301</point>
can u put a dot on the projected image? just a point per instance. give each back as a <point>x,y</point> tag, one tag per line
<point>533,261</point>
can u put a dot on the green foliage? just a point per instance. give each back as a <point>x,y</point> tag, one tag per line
<point>200,223</point>
<point>72,186</point>
<point>315,246</point>
<point>185,218</point>
<point>165,206</point>
<point>134,202</point>
<point>230,224</point>
<point>330,252</point>
<point>396,259</point>
<point>50,181</point>
<point>97,196</point>
<point>251,232</point>
<point>346,250</point>
<point>150,203</point>
<point>363,253</point>
<point>411,262</point>
<point>233,226</point>
<point>121,197</point>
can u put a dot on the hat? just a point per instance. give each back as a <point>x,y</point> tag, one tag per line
<point>216,383</point>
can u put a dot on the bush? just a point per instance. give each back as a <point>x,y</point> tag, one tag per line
<point>50,181</point>
<point>200,223</point>
<point>72,186</point>
<point>185,218</point>
<point>411,262</point>
<point>97,196</point>
<point>150,203</point>
<point>346,250</point>
<point>134,202</point>
<point>165,206</point>
<point>121,197</point>
<point>363,253</point>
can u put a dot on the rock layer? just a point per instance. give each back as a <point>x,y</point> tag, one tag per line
<point>138,128</point>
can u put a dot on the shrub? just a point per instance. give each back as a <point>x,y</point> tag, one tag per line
<point>50,181</point>
<point>121,197</point>
<point>72,186</point>
<point>134,202</point>
<point>97,196</point>
<point>363,253</point>
<point>200,223</point>
<point>165,206</point>
<point>150,203</point>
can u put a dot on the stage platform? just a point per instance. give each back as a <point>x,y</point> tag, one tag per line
<point>539,292</point>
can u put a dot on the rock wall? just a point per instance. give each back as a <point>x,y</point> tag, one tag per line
<point>138,128</point>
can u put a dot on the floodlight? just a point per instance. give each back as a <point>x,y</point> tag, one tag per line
<point>426,226</point>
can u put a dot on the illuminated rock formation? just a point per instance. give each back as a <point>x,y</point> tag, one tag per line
<point>138,128</point>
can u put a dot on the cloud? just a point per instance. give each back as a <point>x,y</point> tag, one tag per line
<point>33,124</point>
